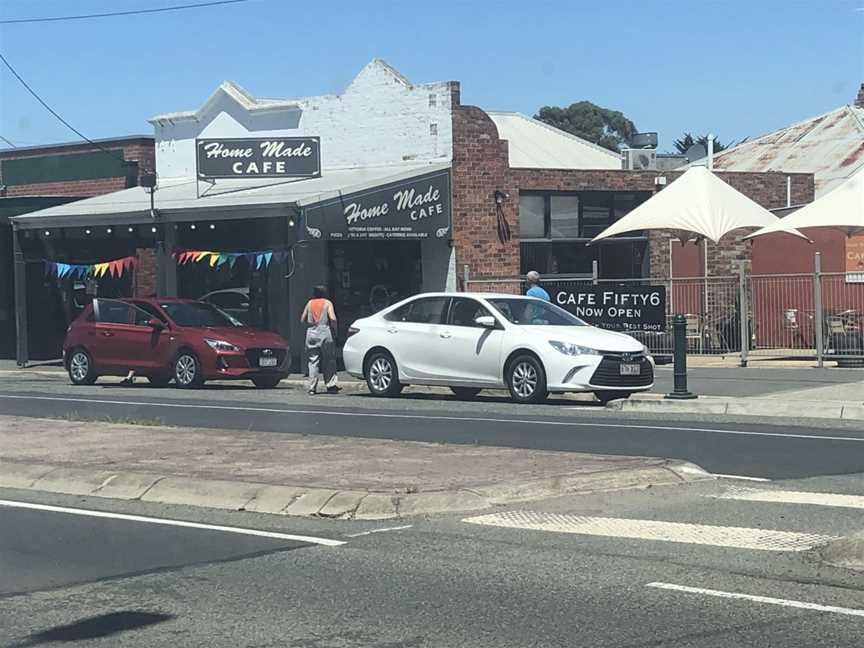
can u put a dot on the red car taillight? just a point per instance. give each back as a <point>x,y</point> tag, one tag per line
<point>352,331</point>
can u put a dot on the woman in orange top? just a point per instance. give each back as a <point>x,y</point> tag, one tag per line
<point>319,316</point>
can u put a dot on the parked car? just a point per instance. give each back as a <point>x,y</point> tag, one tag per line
<point>471,342</point>
<point>182,340</point>
<point>234,301</point>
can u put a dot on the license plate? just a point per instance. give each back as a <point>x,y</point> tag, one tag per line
<point>630,369</point>
<point>267,362</point>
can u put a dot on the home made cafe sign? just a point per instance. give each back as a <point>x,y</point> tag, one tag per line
<point>412,209</point>
<point>616,308</point>
<point>267,157</point>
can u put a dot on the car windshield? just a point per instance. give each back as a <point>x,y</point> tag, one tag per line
<point>198,314</point>
<point>534,312</point>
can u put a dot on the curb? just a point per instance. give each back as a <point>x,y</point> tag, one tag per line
<point>847,552</point>
<point>327,503</point>
<point>743,407</point>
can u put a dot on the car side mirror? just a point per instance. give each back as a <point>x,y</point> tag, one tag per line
<point>155,324</point>
<point>486,321</point>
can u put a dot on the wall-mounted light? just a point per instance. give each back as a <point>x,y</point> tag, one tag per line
<point>131,229</point>
<point>192,226</point>
<point>212,226</point>
<point>87,232</point>
<point>153,229</point>
<point>109,230</point>
<point>501,196</point>
<point>291,222</point>
<point>47,232</point>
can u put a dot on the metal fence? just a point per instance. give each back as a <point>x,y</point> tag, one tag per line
<point>785,316</point>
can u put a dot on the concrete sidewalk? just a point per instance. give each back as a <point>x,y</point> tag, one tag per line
<point>291,474</point>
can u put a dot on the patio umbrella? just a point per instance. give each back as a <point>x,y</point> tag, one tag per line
<point>841,208</point>
<point>697,205</point>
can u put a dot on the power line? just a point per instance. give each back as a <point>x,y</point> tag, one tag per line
<point>8,142</point>
<point>113,14</point>
<point>56,114</point>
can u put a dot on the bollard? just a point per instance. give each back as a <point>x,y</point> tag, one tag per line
<point>679,328</point>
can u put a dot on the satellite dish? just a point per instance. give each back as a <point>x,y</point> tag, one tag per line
<point>696,152</point>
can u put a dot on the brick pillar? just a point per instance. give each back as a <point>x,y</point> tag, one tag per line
<point>145,273</point>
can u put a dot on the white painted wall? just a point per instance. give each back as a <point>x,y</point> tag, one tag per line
<point>379,120</point>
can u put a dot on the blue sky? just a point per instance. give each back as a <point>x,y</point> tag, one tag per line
<point>739,68</point>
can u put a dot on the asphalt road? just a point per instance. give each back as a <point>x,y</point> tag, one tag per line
<point>755,449</point>
<point>443,581</point>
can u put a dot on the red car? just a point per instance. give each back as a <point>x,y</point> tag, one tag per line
<point>170,339</point>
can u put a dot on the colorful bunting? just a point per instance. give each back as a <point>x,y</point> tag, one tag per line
<point>258,259</point>
<point>114,268</point>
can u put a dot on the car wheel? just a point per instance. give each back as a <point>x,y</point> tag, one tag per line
<point>266,382</point>
<point>466,392</point>
<point>81,368</point>
<point>526,380</point>
<point>158,381</point>
<point>608,396</point>
<point>187,371</point>
<point>382,377</point>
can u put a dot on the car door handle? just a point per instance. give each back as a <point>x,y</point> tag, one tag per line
<point>392,329</point>
<point>445,334</point>
<point>107,334</point>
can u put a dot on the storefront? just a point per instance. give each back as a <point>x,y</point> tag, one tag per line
<point>386,190</point>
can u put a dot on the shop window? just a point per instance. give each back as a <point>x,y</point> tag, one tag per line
<point>464,312</point>
<point>564,216</point>
<point>532,216</point>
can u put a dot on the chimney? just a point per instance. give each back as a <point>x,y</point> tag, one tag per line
<point>859,100</point>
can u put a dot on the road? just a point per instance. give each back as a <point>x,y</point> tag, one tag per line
<point>779,449</point>
<point>677,566</point>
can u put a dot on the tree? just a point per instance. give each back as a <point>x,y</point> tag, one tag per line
<point>681,145</point>
<point>608,128</point>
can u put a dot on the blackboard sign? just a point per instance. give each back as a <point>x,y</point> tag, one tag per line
<point>417,208</point>
<point>266,157</point>
<point>616,308</point>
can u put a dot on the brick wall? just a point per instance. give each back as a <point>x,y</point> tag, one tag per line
<point>480,167</point>
<point>140,150</point>
<point>146,277</point>
<point>767,189</point>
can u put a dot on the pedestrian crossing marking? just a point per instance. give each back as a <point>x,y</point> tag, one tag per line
<point>698,534</point>
<point>793,497</point>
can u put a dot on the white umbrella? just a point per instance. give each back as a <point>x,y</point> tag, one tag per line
<point>699,204</point>
<point>841,208</point>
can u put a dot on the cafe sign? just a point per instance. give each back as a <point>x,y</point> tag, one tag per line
<point>855,259</point>
<point>417,208</point>
<point>616,308</point>
<point>266,157</point>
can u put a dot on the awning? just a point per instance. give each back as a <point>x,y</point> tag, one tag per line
<point>182,200</point>
<point>841,208</point>
<point>698,205</point>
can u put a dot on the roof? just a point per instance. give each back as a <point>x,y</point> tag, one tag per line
<point>238,94</point>
<point>698,204</point>
<point>831,146</point>
<point>535,145</point>
<point>183,199</point>
<point>84,143</point>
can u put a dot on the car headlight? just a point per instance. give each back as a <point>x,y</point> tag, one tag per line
<point>221,345</point>
<point>568,348</point>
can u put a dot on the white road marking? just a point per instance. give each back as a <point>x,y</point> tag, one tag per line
<point>699,534</point>
<point>794,497</point>
<point>740,477</point>
<point>385,529</point>
<point>801,605</point>
<point>530,422</point>
<point>167,522</point>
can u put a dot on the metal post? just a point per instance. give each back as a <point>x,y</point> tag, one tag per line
<point>680,391</point>
<point>743,316</point>
<point>465,277</point>
<point>817,304</point>
<point>595,271</point>
<point>19,269</point>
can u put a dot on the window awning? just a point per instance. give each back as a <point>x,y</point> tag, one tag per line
<point>180,200</point>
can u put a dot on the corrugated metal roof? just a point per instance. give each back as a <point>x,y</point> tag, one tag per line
<point>179,199</point>
<point>831,146</point>
<point>535,145</point>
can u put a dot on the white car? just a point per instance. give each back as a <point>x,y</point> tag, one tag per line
<point>472,341</point>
